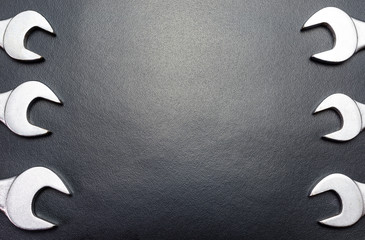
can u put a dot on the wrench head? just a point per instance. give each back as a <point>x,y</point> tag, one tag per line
<point>19,202</point>
<point>350,196</point>
<point>16,34</point>
<point>343,30</point>
<point>16,109</point>
<point>349,113</point>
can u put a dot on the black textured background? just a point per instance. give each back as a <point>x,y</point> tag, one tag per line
<point>184,119</point>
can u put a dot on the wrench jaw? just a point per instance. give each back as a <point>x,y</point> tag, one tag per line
<point>3,100</point>
<point>19,198</point>
<point>343,30</point>
<point>16,32</point>
<point>350,196</point>
<point>350,115</point>
<point>17,104</point>
<point>3,25</point>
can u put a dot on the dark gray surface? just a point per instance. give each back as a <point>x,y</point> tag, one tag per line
<point>184,120</point>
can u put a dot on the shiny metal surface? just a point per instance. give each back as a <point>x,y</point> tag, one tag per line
<point>184,120</point>
<point>14,33</point>
<point>351,194</point>
<point>17,195</point>
<point>351,112</point>
<point>14,107</point>
<point>348,33</point>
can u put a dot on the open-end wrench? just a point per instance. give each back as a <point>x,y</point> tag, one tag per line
<point>13,33</point>
<point>14,107</point>
<point>17,194</point>
<point>351,112</point>
<point>348,33</point>
<point>351,194</point>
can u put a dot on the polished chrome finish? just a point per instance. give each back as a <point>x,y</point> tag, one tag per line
<point>351,112</point>
<point>13,33</point>
<point>14,107</point>
<point>351,194</point>
<point>17,194</point>
<point>348,33</point>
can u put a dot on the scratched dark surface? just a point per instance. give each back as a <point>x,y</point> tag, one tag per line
<point>184,120</point>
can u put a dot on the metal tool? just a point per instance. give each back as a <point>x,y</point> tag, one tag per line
<point>14,107</point>
<point>17,194</point>
<point>351,194</point>
<point>13,33</point>
<point>348,32</point>
<point>351,112</point>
